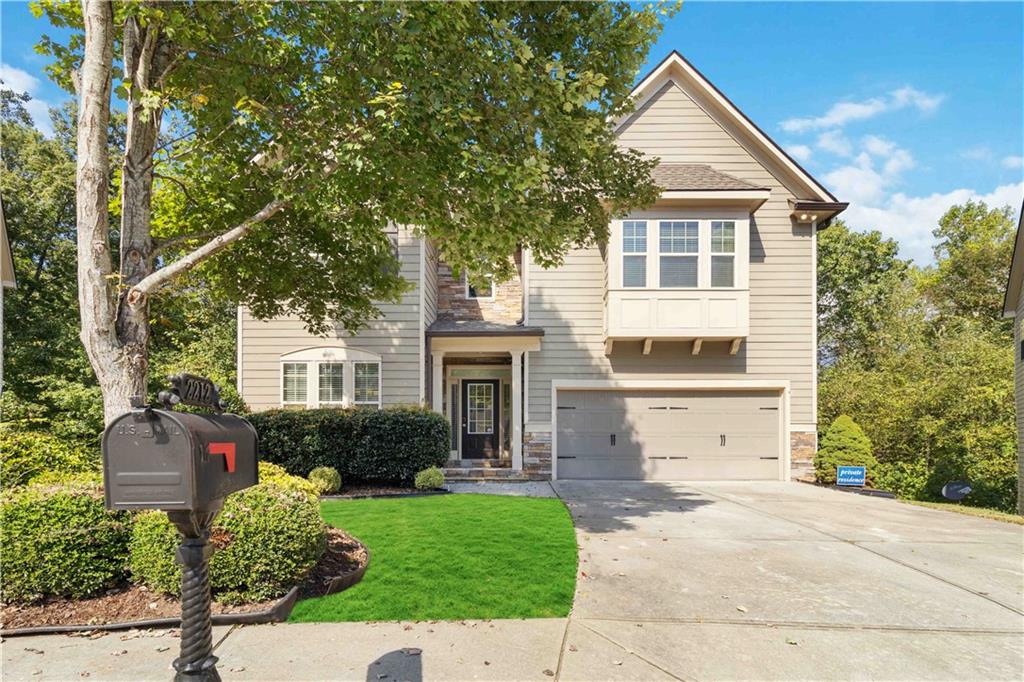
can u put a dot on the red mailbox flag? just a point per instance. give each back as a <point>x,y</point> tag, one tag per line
<point>226,449</point>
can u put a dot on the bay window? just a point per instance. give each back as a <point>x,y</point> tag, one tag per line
<point>678,237</point>
<point>634,241</point>
<point>723,253</point>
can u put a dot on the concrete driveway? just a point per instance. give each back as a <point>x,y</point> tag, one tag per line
<point>787,581</point>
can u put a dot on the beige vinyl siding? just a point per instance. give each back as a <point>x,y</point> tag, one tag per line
<point>569,301</point>
<point>395,336</point>
<point>1018,337</point>
<point>430,283</point>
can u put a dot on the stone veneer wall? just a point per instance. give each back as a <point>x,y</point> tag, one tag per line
<point>452,304</point>
<point>803,445</point>
<point>537,455</point>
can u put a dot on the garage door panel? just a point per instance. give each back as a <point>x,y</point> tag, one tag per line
<point>668,435</point>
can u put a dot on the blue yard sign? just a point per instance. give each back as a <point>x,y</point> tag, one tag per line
<point>850,475</point>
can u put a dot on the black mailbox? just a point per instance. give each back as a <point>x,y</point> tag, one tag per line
<point>160,459</point>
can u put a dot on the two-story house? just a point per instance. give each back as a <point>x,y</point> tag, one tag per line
<point>684,348</point>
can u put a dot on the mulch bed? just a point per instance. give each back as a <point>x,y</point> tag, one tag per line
<point>357,491</point>
<point>344,555</point>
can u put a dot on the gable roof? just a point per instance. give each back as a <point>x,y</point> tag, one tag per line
<point>696,176</point>
<point>1015,281</point>
<point>676,68</point>
<point>6,261</point>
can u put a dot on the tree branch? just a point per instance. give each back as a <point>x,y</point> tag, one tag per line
<point>162,277</point>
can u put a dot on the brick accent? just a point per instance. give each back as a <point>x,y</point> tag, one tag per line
<point>803,446</point>
<point>452,304</point>
<point>537,455</point>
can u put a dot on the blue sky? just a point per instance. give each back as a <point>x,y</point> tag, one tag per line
<point>903,109</point>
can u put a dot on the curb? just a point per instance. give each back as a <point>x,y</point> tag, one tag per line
<point>277,613</point>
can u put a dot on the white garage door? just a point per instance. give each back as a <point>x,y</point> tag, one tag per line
<point>669,435</point>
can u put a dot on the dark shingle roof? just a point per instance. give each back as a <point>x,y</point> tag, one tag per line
<point>692,176</point>
<point>480,328</point>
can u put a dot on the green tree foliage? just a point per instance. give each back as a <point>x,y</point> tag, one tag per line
<point>860,284</point>
<point>935,395</point>
<point>305,128</point>
<point>844,444</point>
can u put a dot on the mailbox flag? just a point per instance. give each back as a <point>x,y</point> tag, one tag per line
<point>226,449</point>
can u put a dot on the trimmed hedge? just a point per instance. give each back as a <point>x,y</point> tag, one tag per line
<point>58,540</point>
<point>266,540</point>
<point>24,455</point>
<point>379,446</point>
<point>844,444</point>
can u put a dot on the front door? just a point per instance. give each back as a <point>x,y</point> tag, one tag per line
<point>480,419</point>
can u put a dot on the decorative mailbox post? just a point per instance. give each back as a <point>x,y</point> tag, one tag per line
<point>185,464</point>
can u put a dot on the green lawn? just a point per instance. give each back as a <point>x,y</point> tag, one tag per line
<point>983,512</point>
<point>449,557</point>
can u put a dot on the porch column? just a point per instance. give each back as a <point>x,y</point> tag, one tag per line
<point>437,384</point>
<point>517,410</point>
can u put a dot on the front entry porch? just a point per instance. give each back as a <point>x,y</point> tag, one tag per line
<point>478,381</point>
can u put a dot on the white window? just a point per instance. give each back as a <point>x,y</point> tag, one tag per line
<point>483,291</point>
<point>332,383</point>
<point>294,383</point>
<point>723,253</point>
<point>479,408</point>
<point>678,237</point>
<point>367,383</point>
<point>326,377</point>
<point>634,241</point>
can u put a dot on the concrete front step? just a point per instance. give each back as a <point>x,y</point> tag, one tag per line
<point>479,464</point>
<point>488,474</point>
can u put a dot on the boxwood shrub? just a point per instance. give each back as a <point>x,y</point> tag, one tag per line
<point>266,539</point>
<point>58,540</point>
<point>379,446</point>
<point>24,455</point>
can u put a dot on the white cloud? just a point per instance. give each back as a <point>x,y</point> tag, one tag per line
<point>800,152</point>
<point>1013,162</point>
<point>841,113</point>
<point>979,153</point>
<point>18,80</point>
<point>21,81</point>
<point>868,176</point>
<point>879,146</point>
<point>834,141</point>
<point>910,220</point>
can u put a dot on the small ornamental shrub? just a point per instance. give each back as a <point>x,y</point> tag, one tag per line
<point>429,479</point>
<point>277,476</point>
<point>380,446</point>
<point>844,444</point>
<point>24,455</point>
<point>58,540</point>
<point>326,479</point>
<point>266,539</point>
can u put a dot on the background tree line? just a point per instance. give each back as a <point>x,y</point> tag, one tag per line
<point>920,357</point>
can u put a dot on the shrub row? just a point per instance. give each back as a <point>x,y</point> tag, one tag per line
<point>58,540</point>
<point>379,446</point>
<point>24,455</point>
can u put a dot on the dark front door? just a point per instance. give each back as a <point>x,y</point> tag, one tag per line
<point>480,419</point>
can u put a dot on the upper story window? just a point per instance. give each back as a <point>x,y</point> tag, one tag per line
<point>330,377</point>
<point>483,291</point>
<point>680,253</point>
<point>723,253</point>
<point>634,241</point>
<point>678,237</point>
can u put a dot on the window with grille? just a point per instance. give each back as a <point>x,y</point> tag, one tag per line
<point>332,382</point>
<point>634,241</point>
<point>678,237</point>
<point>479,408</point>
<point>294,377</point>
<point>723,253</point>
<point>367,383</point>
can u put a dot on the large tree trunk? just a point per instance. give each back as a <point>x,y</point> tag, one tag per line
<point>96,295</point>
